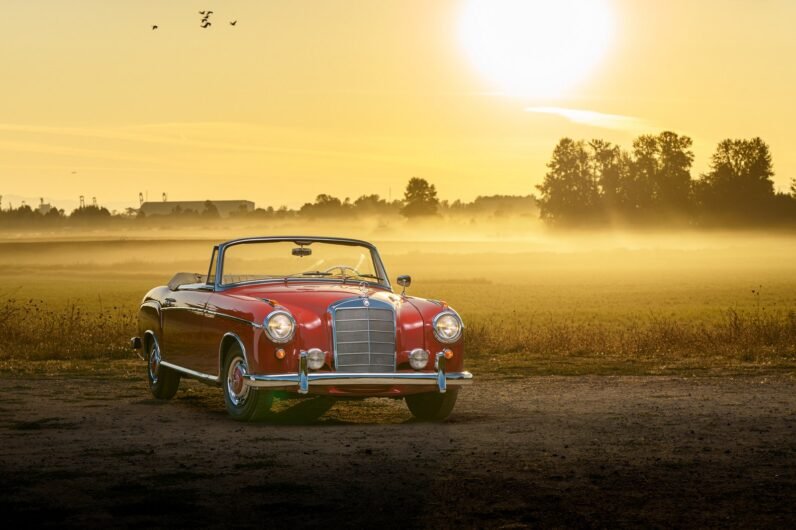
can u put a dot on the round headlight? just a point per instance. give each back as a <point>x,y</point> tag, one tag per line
<point>315,359</point>
<point>418,359</point>
<point>447,327</point>
<point>279,325</point>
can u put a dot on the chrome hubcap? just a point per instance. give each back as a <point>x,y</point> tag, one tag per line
<point>154,363</point>
<point>237,389</point>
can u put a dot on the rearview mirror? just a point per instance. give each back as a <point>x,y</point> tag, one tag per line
<point>302,251</point>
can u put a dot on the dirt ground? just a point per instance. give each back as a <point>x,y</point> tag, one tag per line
<point>88,451</point>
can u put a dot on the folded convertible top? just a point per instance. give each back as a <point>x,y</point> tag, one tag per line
<point>185,278</point>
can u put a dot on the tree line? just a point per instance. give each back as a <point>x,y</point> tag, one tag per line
<point>420,200</point>
<point>588,183</point>
<point>597,182</point>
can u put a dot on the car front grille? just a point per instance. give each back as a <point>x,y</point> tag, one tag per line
<point>364,336</point>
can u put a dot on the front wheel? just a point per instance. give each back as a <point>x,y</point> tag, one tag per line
<point>432,406</point>
<point>244,403</point>
<point>163,382</point>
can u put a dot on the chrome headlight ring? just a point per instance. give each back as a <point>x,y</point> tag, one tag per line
<point>444,318</point>
<point>276,320</point>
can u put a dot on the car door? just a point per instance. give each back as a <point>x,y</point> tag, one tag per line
<point>183,320</point>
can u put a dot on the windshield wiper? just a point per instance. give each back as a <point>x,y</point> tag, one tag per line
<point>369,276</point>
<point>309,273</point>
<point>342,277</point>
<point>360,275</point>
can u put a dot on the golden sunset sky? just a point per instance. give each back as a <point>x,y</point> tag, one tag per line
<point>356,96</point>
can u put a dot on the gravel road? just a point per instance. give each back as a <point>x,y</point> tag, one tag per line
<point>86,451</point>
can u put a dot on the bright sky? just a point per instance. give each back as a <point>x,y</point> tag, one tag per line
<point>356,96</point>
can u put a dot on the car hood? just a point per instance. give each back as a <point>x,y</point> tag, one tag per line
<point>309,303</point>
<point>312,297</point>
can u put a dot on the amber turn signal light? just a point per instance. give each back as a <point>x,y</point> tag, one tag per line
<point>279,354</point>
<point>448,353</point>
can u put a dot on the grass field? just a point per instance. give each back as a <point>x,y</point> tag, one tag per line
<point>579,304</point>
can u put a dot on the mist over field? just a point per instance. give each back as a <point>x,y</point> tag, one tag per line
<point>534,300</point>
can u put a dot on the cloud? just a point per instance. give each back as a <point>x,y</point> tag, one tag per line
<point>595,119</point>
<point>232,138</point>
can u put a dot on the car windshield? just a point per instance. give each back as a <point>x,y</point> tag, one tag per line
<point>266,260</point>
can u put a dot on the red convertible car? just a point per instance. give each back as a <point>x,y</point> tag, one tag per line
<point>301,315</point>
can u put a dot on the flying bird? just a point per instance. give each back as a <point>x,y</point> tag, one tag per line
<point>232,23</point>
<point>206,19</point>
<point>154,28</point>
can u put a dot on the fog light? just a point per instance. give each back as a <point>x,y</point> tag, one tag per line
<point>279,354</point>
<point>448,353</point>
<point>315,359</point>
<point>418,359</point>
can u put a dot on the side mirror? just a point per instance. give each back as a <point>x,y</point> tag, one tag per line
<point>404,281</point>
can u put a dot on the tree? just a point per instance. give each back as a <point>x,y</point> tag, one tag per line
<point>420,198</point>
<point>324,206</point>
<point>90,213</point>
<point>793,188</point>
<point>569,192</point>
<point>673,185</point>
<point>662,172</point>
<point>739,184</point>
<point>611,167</point>
<point>210,211</point>
<point>374,204</point>
<point>54,213</point>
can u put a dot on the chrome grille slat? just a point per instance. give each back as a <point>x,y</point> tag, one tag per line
<point>364,336</point>
<point>362,342</point>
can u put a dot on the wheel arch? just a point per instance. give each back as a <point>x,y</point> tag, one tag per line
<point>149,337</point>
<point>150,317</point>
<point>227,341</point>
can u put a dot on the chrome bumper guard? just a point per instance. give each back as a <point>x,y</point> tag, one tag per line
<point>304,378</point>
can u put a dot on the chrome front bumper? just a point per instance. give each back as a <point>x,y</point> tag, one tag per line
<point>304,378</point>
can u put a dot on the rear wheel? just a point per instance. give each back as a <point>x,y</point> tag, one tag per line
<point>163,382</point>
<point>432,406</point>
<point>244,403</point>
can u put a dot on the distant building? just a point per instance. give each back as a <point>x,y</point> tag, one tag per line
<point>225,208</point>
<point>44,207</point>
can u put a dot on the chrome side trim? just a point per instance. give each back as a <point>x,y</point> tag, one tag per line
<point>237,319</point>
<point>214,313</point>
<point>191,373</point>
<point>358,379</point>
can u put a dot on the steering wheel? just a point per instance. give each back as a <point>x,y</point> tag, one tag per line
<point>342,269</point>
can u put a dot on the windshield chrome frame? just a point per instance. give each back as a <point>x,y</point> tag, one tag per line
<point>300,240</point>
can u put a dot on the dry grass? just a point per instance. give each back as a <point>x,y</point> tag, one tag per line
<point>552,344</point>
<point>527,310</point>
<point>30,329</point>
<point>646,344</point>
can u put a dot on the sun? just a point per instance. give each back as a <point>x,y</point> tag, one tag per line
<point>536,48</point>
